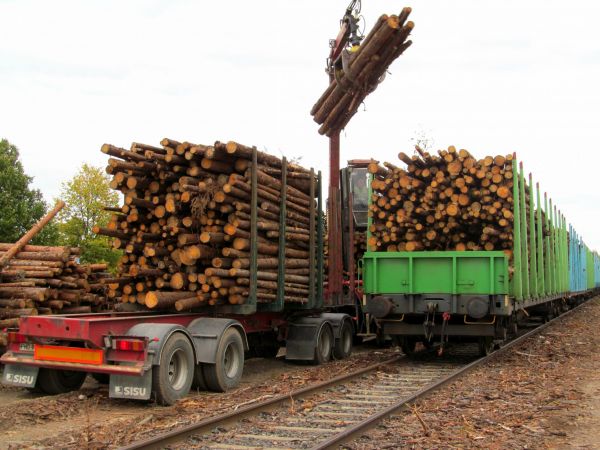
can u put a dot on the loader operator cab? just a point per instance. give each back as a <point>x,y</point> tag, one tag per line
<point>355,181</point>
<point>359,181</point>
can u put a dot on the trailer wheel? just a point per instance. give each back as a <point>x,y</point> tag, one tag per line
<point>343,345</point>
<point>53,381</point>
<point>324,345</point>
<point>227,371</point>
<point>172,378</point>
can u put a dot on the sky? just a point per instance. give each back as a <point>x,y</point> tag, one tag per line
<point>491,77</point>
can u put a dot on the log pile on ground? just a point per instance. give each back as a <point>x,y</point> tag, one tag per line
<point>48,280</point>
<point>185,227</point>
<point>444,201</point>
<point>363,71</point>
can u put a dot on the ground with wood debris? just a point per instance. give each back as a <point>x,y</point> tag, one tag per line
<point>89,419</point>
<point>543,394</point>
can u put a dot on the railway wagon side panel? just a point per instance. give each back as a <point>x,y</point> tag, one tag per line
<point>457,283</point>
<point>483,273</point>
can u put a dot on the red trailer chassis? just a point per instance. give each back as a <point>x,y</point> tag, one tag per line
<point>98,332</point>
<point>135,350</point>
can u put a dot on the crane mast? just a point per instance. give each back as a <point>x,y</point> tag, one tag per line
<point>348,35</point>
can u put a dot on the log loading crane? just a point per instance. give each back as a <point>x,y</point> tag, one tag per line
<point>344,198</point>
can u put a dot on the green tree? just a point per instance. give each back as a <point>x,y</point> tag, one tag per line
<point>86,195</point>
<point>20,206</point>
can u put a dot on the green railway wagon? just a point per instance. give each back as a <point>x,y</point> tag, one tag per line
<point>425,295</point>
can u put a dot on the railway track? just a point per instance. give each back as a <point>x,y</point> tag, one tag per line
<point>327,414</point>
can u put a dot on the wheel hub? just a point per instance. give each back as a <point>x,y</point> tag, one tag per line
<point>231,361</point>
<point>178,368</point>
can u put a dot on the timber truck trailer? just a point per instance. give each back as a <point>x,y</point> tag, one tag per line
<point>151,355</point>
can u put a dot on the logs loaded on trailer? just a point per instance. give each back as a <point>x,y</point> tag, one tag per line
<point>361,72</point>
<point>444,201</point>
<point>186,226</point>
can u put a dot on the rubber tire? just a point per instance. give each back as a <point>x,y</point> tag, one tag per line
<point>199,383</point>
<point>343,345</point>
<point>216,376</point>
<point>54,381</point>
<point>324,347</point>
<point>164,392</point>
<point>101,378</point>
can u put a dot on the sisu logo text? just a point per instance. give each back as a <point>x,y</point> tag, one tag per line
<point>20,379</point>
<point>130,391</point>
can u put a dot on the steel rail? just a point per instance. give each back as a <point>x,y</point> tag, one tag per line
<point>160,440</point>
<point>353,431</point>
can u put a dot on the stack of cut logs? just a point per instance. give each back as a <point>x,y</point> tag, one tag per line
<point>186,223</point>
<point>448,201</point>
<point>362,72</point>
<point>48,280</point>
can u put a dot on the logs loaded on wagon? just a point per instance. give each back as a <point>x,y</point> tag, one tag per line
<point>362,71</point>
<point>444,201</point>
<point>186,226</point>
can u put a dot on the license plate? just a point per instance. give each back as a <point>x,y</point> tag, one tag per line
<point>22,376</point>
<point>26,347</point>
<point>126,386</point>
